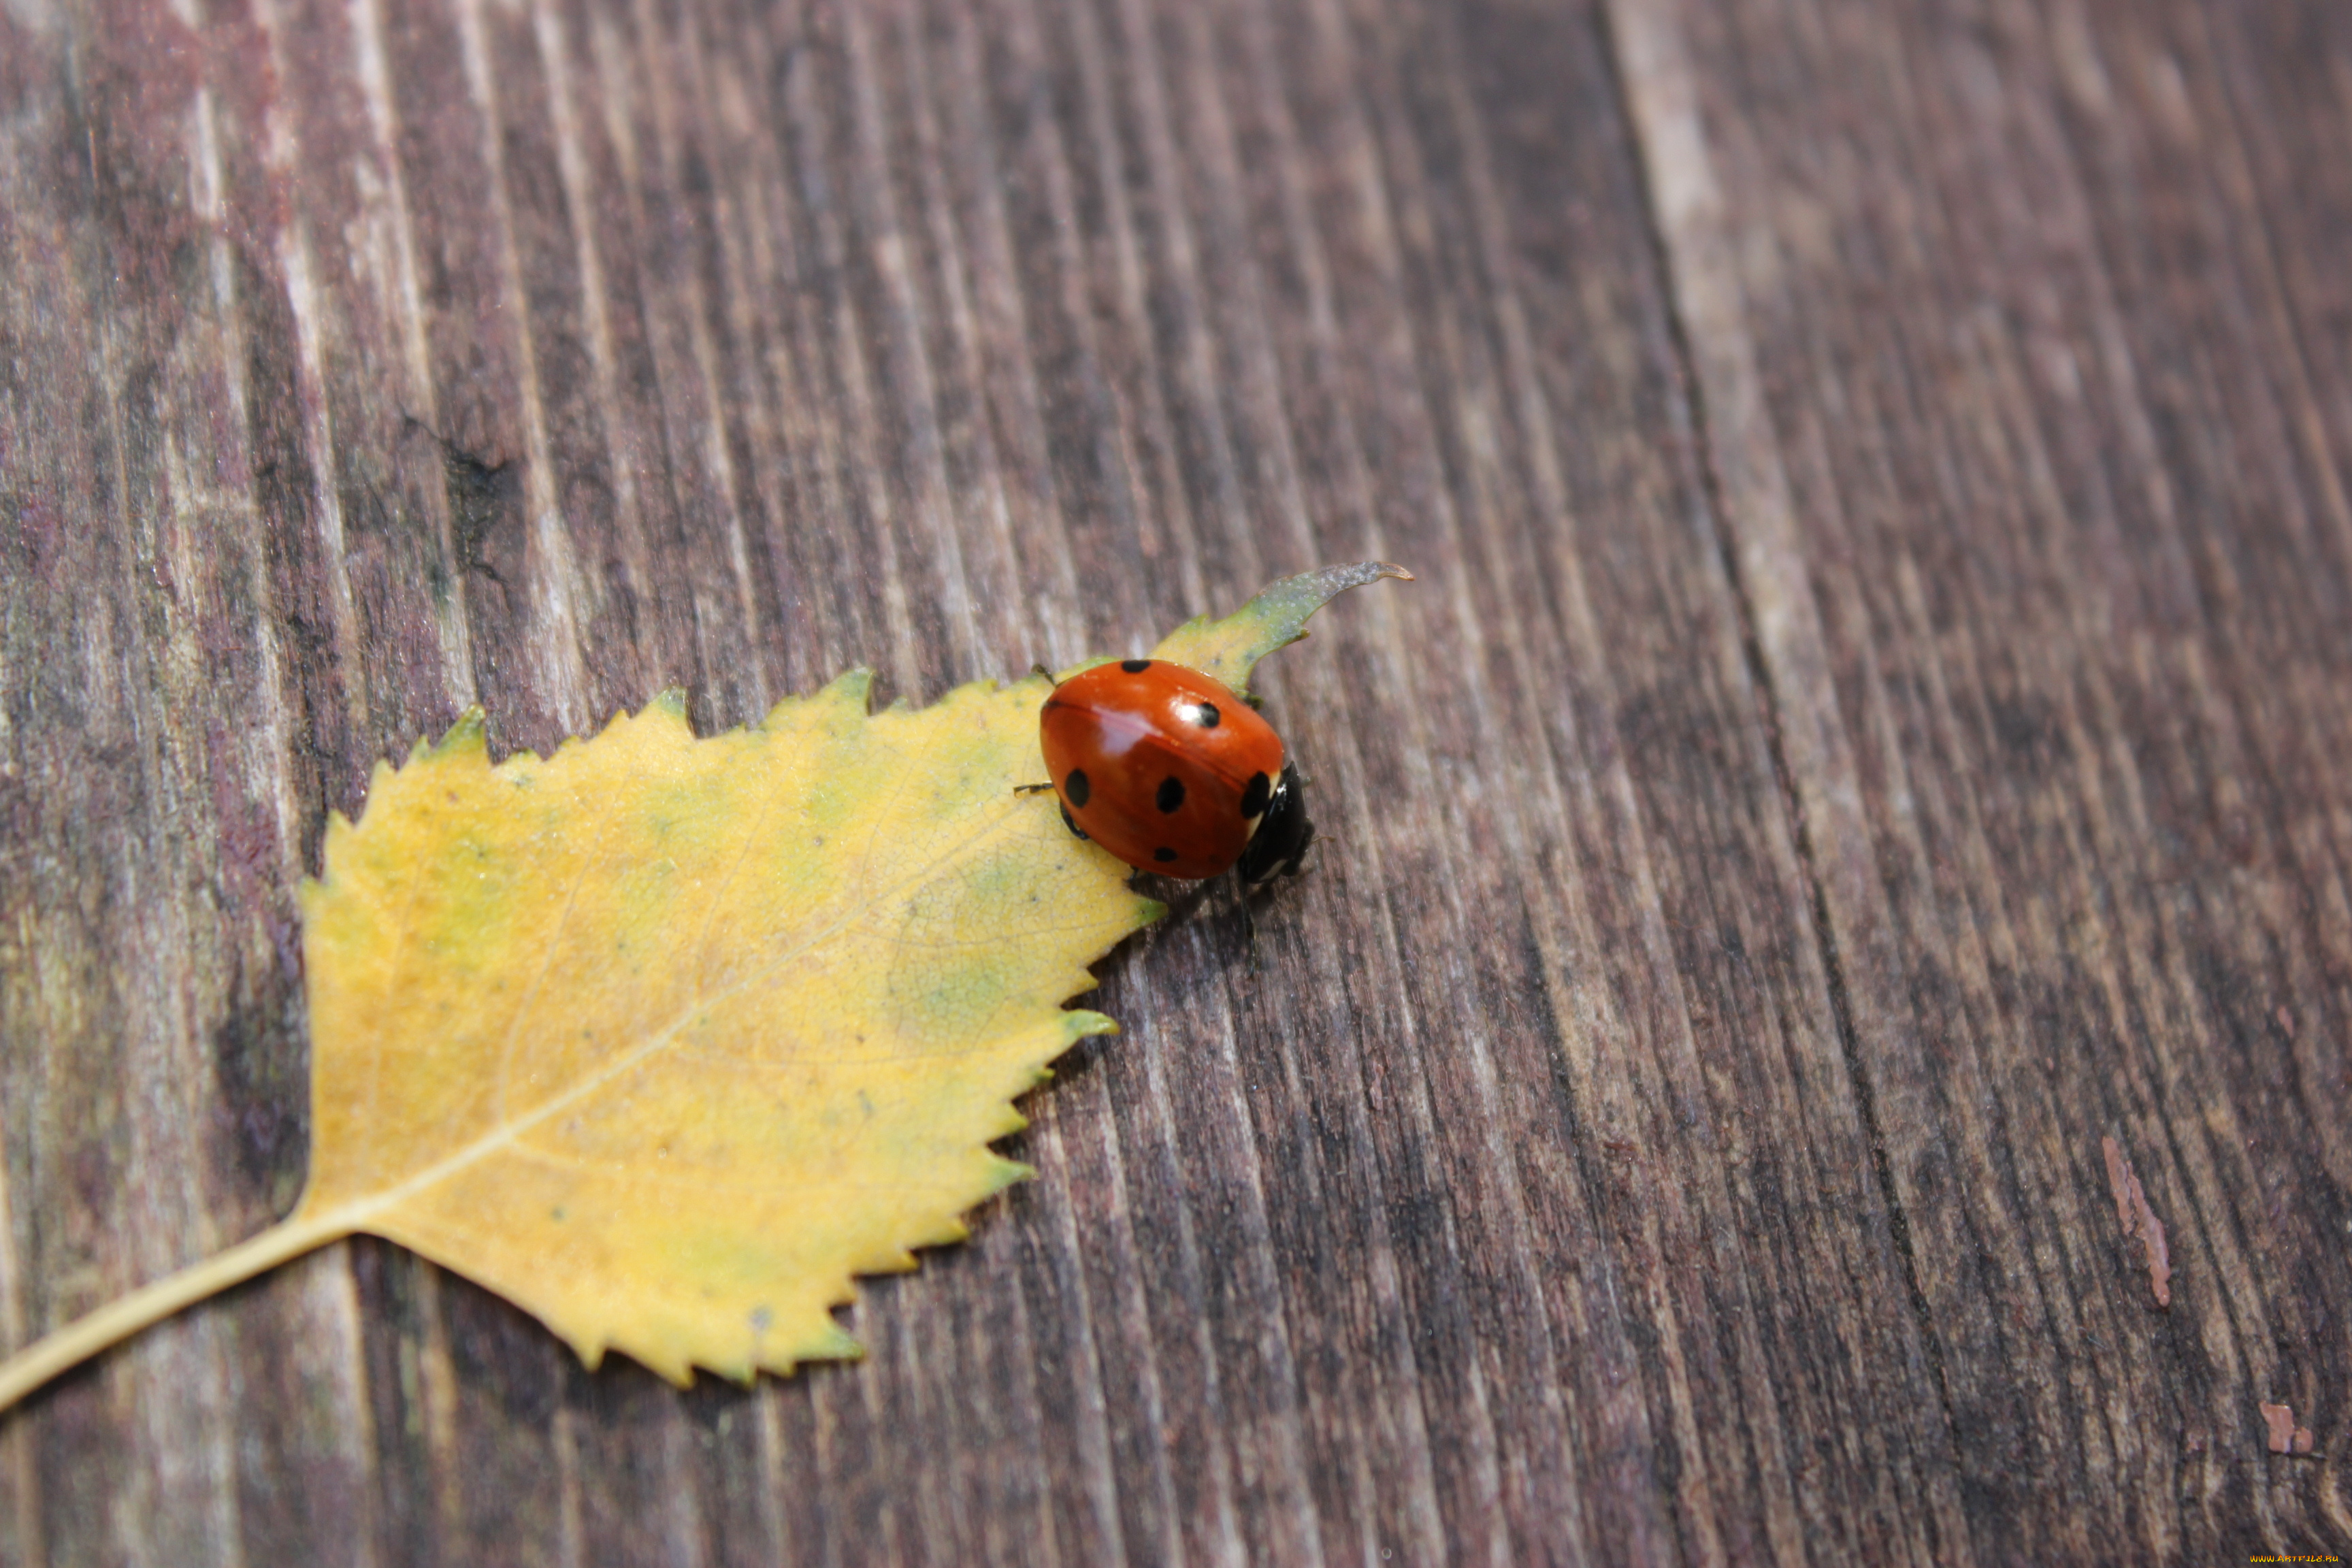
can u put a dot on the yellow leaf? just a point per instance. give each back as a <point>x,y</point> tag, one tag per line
<point>665,1040</point>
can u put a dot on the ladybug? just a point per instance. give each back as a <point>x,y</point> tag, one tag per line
<point>1170,771</point>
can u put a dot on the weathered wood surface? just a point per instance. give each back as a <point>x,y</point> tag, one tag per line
<point>1875,721</point>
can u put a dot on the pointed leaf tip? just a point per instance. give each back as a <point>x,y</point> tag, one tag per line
<point>1078,1023</point>
<point>1229,648</point>
<point>852,690</point>
<point>837,1345</point>
<point>469,734</point>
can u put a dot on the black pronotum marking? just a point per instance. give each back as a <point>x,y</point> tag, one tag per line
<point>1205,715</point>
<point>1163,853</point>
<point>1135,666</point>
<point>1071,823</point>
<point>1282,838</point>
<point>1170,796</point>
<point>1077,788</point>
<point>1254,798</point>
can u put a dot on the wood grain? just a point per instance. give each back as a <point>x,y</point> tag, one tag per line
<point>1875,723</point>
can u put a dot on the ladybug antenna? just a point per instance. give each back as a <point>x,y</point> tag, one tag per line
<point>1041,669</point>
<point>1312,856</point>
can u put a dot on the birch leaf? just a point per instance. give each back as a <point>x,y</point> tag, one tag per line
<point>666,1039</point>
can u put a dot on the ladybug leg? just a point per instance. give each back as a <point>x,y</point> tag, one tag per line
<point>1297,864</point>
<point>1249,922</point>
<point>1067,820</point>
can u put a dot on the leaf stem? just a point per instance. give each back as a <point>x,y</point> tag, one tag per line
<point>78,1341</point>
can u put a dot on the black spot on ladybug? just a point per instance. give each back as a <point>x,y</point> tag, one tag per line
<point>1071,823</point>
<point>1206,715</point>
<point>1254,798</point>
<point>1163,853</point>
<point>1077,788</point>
<point>1135,666</point>
<point>1170,796</point>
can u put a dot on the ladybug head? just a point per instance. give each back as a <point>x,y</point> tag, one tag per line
<point>1283,833</point>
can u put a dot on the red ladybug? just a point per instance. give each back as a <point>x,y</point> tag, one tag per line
<point>1170,771</point>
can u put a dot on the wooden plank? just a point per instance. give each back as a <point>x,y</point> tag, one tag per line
<point>2038,510</point>
<point>1870,726</point>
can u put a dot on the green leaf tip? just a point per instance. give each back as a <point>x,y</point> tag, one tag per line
<point>833,1343</point>
<point>1230,648</point>
<point>1078,1023</point>
<point>469,734</point>
<point>851,690</point>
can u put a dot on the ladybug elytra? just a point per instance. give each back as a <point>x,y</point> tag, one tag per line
<point>1173,772</point>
